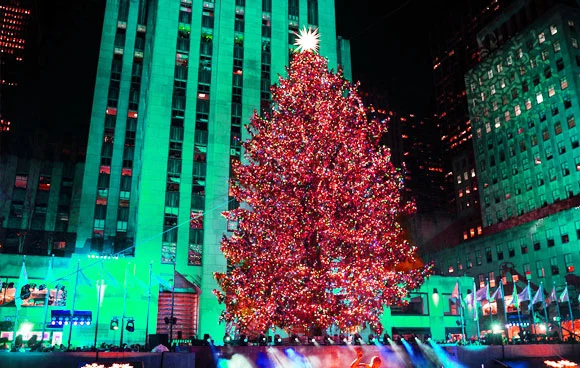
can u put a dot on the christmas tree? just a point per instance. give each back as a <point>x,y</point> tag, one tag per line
<point>318,241</point>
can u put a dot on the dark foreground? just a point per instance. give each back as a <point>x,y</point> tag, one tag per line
<point>403,356</point>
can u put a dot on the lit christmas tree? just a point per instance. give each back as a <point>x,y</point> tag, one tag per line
<point>318,242</point>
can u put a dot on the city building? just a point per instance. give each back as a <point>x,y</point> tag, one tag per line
<point>14,18</point>
<point>39,206</point>
<point>176,82</point>
<point>523,105</point>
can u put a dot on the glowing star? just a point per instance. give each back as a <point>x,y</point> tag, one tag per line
<point>308,39</point>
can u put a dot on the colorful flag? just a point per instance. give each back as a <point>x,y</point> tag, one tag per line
<point>497,294</point>
<point>22,281</point>
<point>455,294</point>
<point>564,297</point>
<point>84,280</point>
<point>539,297</point>
<point>524,295</point>
<point>109,279</point>
<point>482,293</point>
<point>515,301</point>
<point>553,297</point>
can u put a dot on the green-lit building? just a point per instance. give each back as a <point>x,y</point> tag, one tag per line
<point>524,100</point>
<point>176,82</point>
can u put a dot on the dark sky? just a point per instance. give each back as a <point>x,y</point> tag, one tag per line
<point>389,47</point>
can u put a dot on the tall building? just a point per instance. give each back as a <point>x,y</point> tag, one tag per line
<point>523,104</point>
<point>14,17</point>
<point>453,56</point>
<point>176,82</point>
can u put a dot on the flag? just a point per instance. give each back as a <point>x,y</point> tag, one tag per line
<point>134,282</point>
<point>524,295</point>
<point>109,279</point>
<point>539,297</point>
<point>22,281</point>
<point>515,302</point>
<point>84,280</point>
<point>553,297</point>
<point>470,298</point>
<point>497,294</point>
<point>564,297</point>
<point>455,294</point>
<point>482,293</point>
<point>49,274</point>
<point>159,280</point>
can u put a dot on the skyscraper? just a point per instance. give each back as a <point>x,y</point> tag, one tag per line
<point>176,82</point>
<point>523,104</point>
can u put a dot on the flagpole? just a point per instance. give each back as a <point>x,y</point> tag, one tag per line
<point>531,308</point>
<point>99,287</point>
<point>148,308</point>
<point>73,303</point>
<point>505,316</point>
<point>18,299</point>
<point>46,299</point>
<point>558,310</point>
<point>571,315</point>
<point>544,304</point>
<point>477,319</point>
<point>124,307</point>
<point>461,314</point>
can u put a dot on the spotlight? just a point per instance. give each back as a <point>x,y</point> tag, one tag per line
<point>358,340</point>
<point>312,340</point>
<point>243,340</point>
<point>386,338</point>
<point>435,291</point>
<point>262,340</point>
<point>277,340</point>
<point>342,339</point>
<point>294,340</point>
<point>372,339</point>
<point>207,340</point>
<point>130,325</point>
<point>327,340</point>
<point>114,324</point>
<point>227,339</point>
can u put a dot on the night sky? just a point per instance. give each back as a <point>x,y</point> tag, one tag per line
<point>389,43</point>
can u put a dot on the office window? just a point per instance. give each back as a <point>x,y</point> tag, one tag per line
<point>568,262</point>
<point>499,251</point>
<point>491,277</point>
<point>488,255</point>
<point>554,266</point>
<point>524,245</point>
<point>540,269</point>
<point>478,258</point>
<point>511,250</point>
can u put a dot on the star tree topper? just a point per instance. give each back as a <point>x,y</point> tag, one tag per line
<point>307,40</point>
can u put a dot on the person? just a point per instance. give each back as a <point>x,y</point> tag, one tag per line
<point>374,363</point>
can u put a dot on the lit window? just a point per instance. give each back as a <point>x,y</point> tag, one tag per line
<point>520,53</point>
<point>542,37</point>
<point>551,91</point>
<point>499,68</point>
<point>465,238</point>
<point>557,46</point>
<point>507,117</point>
<point>450,269</point>
<point>540,269</point>
<point>21,181</point>
<point>508,60</point>
<point>458,179</point>
<point>482,96</point>
<point>492,89</point>
<point>460,193</point>
<point>497,122</point>
<point>568,262</point>
<point>528,104</point>
<point>472,232</point>
<point>479,231</point>
<point>574,43</point>
<point>564,83</point>
<point>473,173</point>
<point>490,74</point>
<point>553,29</point>
<point>517,110</point>
<point>494,104</point>
<point>465,175</point>
<point>539,97</point>
<point>487,127</point>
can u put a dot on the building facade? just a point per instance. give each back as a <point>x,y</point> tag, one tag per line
<point>524,102</point>
<point>176,82</point>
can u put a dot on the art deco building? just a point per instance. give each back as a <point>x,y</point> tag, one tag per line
<point>523,104</point>
<point>176,82</point>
